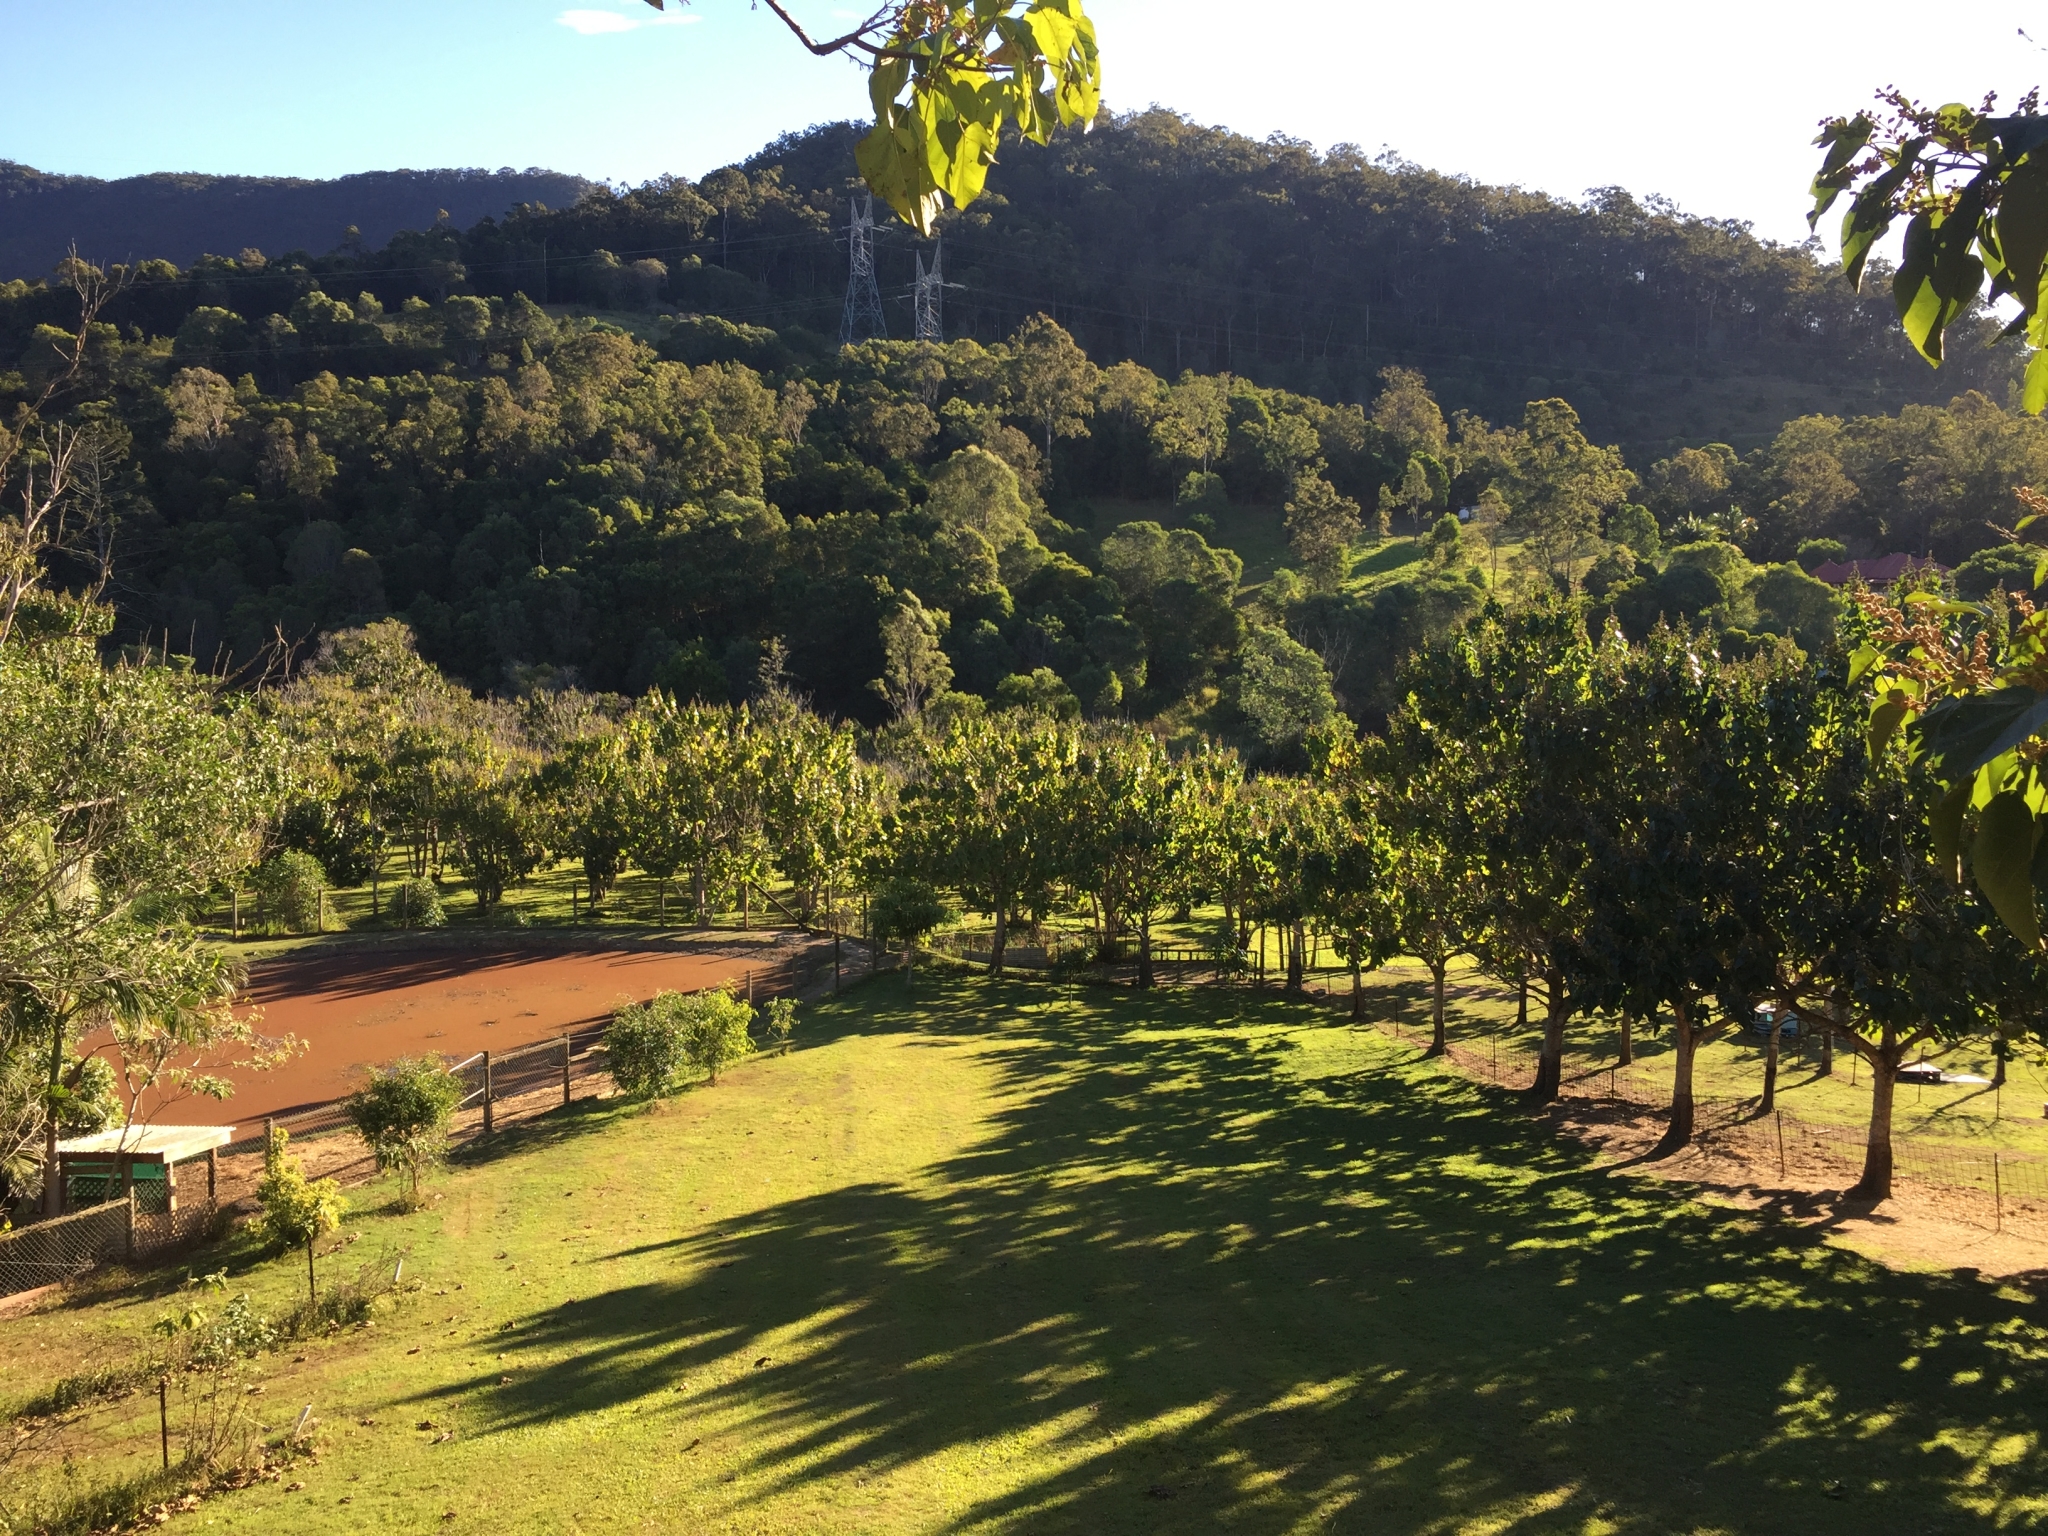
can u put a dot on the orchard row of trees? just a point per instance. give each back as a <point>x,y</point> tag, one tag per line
<point>1642,831</point>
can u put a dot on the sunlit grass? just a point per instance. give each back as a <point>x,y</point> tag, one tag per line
<point>984,1257</point>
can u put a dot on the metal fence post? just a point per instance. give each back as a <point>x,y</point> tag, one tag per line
<point>487,1093</point>
<point>128,1236</point>
<point>1779,1116</point>
<point>565,1069</point>
<point>1997,1193</point>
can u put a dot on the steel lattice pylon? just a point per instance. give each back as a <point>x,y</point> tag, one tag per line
<point>928,301</point>
<point>862,318</point>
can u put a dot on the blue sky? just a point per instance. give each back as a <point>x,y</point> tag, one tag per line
<point>1710,105</point>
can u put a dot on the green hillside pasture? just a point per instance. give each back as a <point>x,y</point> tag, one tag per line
<point>977,1259</point>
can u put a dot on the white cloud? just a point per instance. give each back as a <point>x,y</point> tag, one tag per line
<point>595,23</point>
<point>590,23</point>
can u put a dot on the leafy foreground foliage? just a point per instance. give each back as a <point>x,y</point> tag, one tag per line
<point>979,1258</point>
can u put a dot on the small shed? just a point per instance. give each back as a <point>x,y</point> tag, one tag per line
<point>104,1166</point>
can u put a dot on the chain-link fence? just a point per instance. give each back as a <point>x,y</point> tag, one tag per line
<point>66,1246</point>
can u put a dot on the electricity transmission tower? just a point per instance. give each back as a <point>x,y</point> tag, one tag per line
<point>928,300</point>
<point>862,318</point>
<point>928,297</point>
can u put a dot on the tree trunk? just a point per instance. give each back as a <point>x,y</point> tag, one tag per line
<point>1827,1045</point>
<point>1549,1064</point>
<point>1678,1132</point>
<point>1769,1101</point>
<point>1145,951</point>
<point>1291,936</point>
<point>1999,1051</point>
<point>701,896</point>
<point>1357,992</point>
<point>1876,1183</point>
<point>1437,1043</point>
<point>1001,937</point>
<point>53,1193</point>
<point>1626,1056</point>
<point>746,908</point>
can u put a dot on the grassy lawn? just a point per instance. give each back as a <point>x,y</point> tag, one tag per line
<point>977,1258</point>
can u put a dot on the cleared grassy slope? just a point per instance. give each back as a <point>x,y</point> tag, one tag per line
<point>977,1259</point>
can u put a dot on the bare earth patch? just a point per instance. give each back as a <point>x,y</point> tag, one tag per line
<point>1920,1227</point>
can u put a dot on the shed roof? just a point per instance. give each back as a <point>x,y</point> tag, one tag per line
<point>163,1143</point>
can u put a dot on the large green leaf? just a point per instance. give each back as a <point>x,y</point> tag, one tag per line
<point>1870,215</point>
<point>1844,141</point>
<point>2017,136</point>
<point>2034,396</point>
<point>1947,825</point>
<point>1939,275</point>
<point>2022,224</point>
<point>2002,861</point>
<point>1961,735</point>
<point>1884,723</point>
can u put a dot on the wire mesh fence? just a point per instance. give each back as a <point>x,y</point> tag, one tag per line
<point>65,1247</point>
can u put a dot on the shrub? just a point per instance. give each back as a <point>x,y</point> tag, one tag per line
<point>715,1029</point>
<point>907,908</point>
<point>778,1020</point>
<point>403,1114</point>
<point>644,1047</point>
<point>1202,492</point>
<point>2010,566</point>
<point>288,885</point>
<point>416,904</point>
<point>653,1046</point>
<point>1818,552</point>
<point>1446,539</point>
<point>296,1209</point>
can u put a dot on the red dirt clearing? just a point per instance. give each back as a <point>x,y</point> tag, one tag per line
<point>359,1007</point>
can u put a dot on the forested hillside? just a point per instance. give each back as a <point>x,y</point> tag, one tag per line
<point>181,216</point>
<point>552,497</point>
<point>1153,239</point>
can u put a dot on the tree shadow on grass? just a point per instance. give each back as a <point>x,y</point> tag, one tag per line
<point>1254,1279</point>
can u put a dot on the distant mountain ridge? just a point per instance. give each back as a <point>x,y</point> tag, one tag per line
<point>181,216</point>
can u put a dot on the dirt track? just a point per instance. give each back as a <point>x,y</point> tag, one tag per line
<point>357,1006</point>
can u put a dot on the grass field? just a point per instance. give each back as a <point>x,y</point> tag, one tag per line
<point>977,1257</point>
